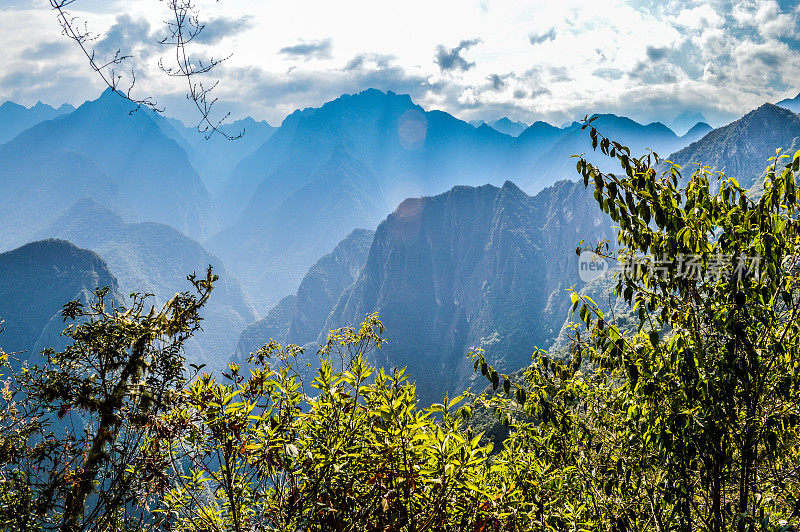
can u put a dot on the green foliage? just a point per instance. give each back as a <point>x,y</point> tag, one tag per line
<point>691,423</point>
<point>69,427</point>
<point>351,452</point>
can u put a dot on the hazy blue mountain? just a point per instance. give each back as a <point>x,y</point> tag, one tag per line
<point>249,172</point>
<point>686,120</point>
<point>792,104</point>
<point>35,282</point>
<point>150,170</point>
<point>15,118</point>
<point>215,157</point>
<point>411,150</point>
<point>503,125</point>
<point>743,147</point>
<point>697,132</point>
<point>556,163</point>
<point>299,318</point>
<point>155,258</point>
<point>270,251</point>
<point>530,146</point>
<point>404,151</point>
<point>482,266</point>
<point>37,185</point>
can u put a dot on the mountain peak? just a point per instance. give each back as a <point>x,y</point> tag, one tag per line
<point>742,148</point>
<point>698,130</point>
<point>11,105</point>
<point>509,186</point>
<point>766,110</point>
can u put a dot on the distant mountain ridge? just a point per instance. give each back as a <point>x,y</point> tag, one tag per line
<point>686,120</point>
<point>272,250</point>
<point>390,149</point>
<point>556,162</point>
<point>15,118</point>
<point>150,170</point>
<point>742,148</point>
<point>37,185</point>
<point>154,258</point>
<point>215,156</point>
<point>503,125</point>
<point>792,104</point>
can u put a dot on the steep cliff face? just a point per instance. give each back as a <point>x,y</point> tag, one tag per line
<point>35,282</point>
<point>299,318</point>
<point>741,149</point>
<point>485,267</point>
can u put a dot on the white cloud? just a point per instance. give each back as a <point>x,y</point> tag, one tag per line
<point>569,57</point>
<point>703,16</point>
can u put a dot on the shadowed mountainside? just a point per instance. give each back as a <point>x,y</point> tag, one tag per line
<point>300,317</point>
<point>150,170</point>
<point>743,147</point>
<point>36,280</point>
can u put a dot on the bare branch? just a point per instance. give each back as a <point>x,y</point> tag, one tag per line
<point>71,28</point>
<point>182,29</point>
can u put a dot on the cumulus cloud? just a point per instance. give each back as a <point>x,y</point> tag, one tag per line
<point>772,23</point>
<point>282,90</point>
<point>720,57</point>
<point>128,35</point>
<point>699,17</point>
<point>220,28</point>
<point>362,61</point>
<point>451,59</point>
<point>498,82</point>
<point>657,53</point>
<point>539,38</point>
<point>307,50</point>
<point>42,51</point>
<point>560,73</point>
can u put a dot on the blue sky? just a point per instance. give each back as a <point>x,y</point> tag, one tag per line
<point>477,59</point>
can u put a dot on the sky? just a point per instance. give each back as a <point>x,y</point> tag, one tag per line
<point>476,59</point>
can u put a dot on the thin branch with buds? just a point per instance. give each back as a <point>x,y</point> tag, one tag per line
<point>184,28</point>
<point>71,28</point>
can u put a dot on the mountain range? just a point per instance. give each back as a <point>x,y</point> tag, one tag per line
<point>461,256</point>
<point>214,156</point>
<point>370,151</point>
<point>149,170</point>
<point>686,121</point>
<point>15,118</point>
<point>503,125</point>
<point>155,258</point>
<point>556,163</point>
<point>476,266</point>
